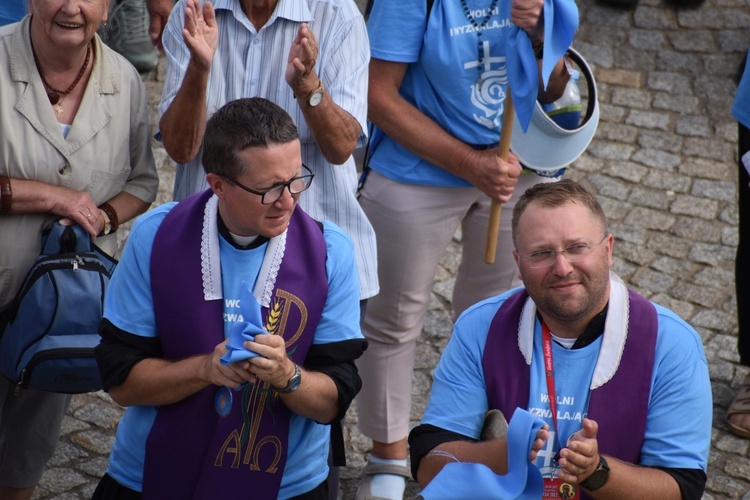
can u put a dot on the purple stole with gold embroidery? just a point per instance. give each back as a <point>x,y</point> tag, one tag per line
<point>192,452</point>
<point>620,406</point>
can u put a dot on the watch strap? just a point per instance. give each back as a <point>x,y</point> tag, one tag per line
<point>598,478</point>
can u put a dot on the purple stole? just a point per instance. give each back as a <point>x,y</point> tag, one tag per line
<point>620,406</point>
<point>191,452</point>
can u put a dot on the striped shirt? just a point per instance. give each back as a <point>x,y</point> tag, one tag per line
<point>252,63</point>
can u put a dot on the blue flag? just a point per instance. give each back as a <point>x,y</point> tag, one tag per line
<point>522,482</point>
<point>247,329</point>
<point>560,24</point>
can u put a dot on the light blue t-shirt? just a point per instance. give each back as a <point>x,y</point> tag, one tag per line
<point>741,106</point>
<point>680,387</point>
<point>442,78</point>
<point>129,306</point>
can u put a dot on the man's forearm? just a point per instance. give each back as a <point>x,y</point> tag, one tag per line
<point>184,122</point>
<point>157,382</point>
<point>628,481</point>
<point>335,130</point>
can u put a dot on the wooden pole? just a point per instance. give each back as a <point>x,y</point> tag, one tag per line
<point>493,227</point>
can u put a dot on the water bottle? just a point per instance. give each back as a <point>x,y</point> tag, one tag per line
<point>566,111</point>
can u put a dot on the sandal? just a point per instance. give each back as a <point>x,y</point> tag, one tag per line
<point>740,405</point>
<point>371,469</point>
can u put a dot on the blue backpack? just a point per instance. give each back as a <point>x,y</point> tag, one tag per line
<point>52,330</point>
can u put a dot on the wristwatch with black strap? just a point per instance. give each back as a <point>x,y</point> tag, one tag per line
<point>598,478</point>
<point>294,381</point>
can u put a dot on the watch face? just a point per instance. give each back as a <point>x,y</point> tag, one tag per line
<point>316,98</point>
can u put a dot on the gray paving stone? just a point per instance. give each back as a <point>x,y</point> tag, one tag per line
<point>707,169</point>
<point>700,295</point>
<point>654,18</point>
<point>650,219</point>
<point>718,190</point>
<point>105,417</point>
<point>670,81</point>
<point>697,207</point>
<point>652,280</point>
<point>682,104</point>
<point>695,40</point>
<point>657,159</point>
<point>662,141</point>
<point>649,119</point>
<point>651,198</point>
<point>698,126</point>
<point>65,453</point>
<point>608,186</point>
<point>94,440</point>
<point>636,98</point>
<point>669,244</point>
<point>698,230</point>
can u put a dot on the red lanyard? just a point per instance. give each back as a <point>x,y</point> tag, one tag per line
<point>549,371</point>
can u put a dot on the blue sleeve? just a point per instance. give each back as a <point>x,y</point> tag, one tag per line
<point>396,29</point>
<point>458,400</point>
<point>678,429</point>
<point>128,303</point>
<point>741,106</point>
<point>340,318</point>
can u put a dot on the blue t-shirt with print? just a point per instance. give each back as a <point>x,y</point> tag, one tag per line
<point>680,386</point>
<point>442,77</point>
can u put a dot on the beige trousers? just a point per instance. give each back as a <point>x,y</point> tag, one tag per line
<point>414,225</point>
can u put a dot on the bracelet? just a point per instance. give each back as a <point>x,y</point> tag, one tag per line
<point>441,453</point>
<point>107,209</point>
<point>6,196</point>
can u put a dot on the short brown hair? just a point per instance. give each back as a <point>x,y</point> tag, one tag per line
<point>555,194</point>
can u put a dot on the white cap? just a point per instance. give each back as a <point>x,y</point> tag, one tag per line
<point>546,146</point>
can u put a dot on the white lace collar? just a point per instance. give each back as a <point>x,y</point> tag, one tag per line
<point>211,261</point>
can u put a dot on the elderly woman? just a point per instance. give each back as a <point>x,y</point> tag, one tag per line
<point>74,148</point>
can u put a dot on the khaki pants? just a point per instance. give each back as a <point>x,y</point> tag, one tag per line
<point>414,225</point>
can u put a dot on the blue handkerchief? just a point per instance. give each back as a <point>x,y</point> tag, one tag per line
<point>250,326</point>
<point>560,24</point>
<point>471,481</point>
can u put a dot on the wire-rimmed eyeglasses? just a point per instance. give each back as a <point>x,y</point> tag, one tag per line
<point>573,253</point>
<point>272,194</point>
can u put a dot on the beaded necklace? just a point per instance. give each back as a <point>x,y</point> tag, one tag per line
<point>54,94</point>
<point>478,29</point>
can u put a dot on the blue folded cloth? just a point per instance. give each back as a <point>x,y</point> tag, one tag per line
<point>242,331</point>
<point>471,481</point>
<point>560,24</point>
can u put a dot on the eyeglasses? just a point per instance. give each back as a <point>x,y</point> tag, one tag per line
<point>272,194</point>
<point>573,253</point>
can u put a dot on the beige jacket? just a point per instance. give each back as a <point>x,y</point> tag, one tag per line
<point>107,150</point>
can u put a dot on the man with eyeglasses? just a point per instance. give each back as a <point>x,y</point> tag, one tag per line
<point>230,329</point>
<point>621,382</point>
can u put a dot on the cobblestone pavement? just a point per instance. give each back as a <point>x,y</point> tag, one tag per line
<point>663,163</point>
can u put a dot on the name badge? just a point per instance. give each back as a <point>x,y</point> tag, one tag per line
<point>557,488</point>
